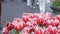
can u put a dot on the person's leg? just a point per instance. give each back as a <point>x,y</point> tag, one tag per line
<point>33,3</point>
<point>42,6</point>
<point>28,2</point>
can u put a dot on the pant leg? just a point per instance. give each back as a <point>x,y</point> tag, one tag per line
<point>32,2</point>
<point>42,6</point>
<point>28,2</point>
<point>47,1</point>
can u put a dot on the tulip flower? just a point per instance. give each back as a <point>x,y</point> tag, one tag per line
<point>34,23</point>
<point>27,29</point>
<point>38,30</point>
<point>9,26</point>
<point>58,17</point>
<point>5,30</point>
<point>24,32</point>
<point>18,24</point>
<point>52,30</point>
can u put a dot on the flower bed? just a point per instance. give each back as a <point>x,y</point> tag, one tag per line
<point>36,23</point>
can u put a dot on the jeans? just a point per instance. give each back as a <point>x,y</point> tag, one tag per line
<point>42,5</point>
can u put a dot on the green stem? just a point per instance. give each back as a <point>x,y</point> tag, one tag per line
<point>17,32</point>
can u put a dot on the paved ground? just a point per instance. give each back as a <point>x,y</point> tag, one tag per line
<point>11,10</point>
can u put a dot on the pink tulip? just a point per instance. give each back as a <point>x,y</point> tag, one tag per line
<point>5,30</point>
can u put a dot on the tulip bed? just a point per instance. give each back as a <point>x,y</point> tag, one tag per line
<point>34,23</point>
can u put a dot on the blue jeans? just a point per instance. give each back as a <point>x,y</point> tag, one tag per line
<point>42,5</point>
<point>32,2</point>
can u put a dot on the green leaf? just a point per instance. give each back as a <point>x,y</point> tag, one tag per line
<point>56,4</point>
